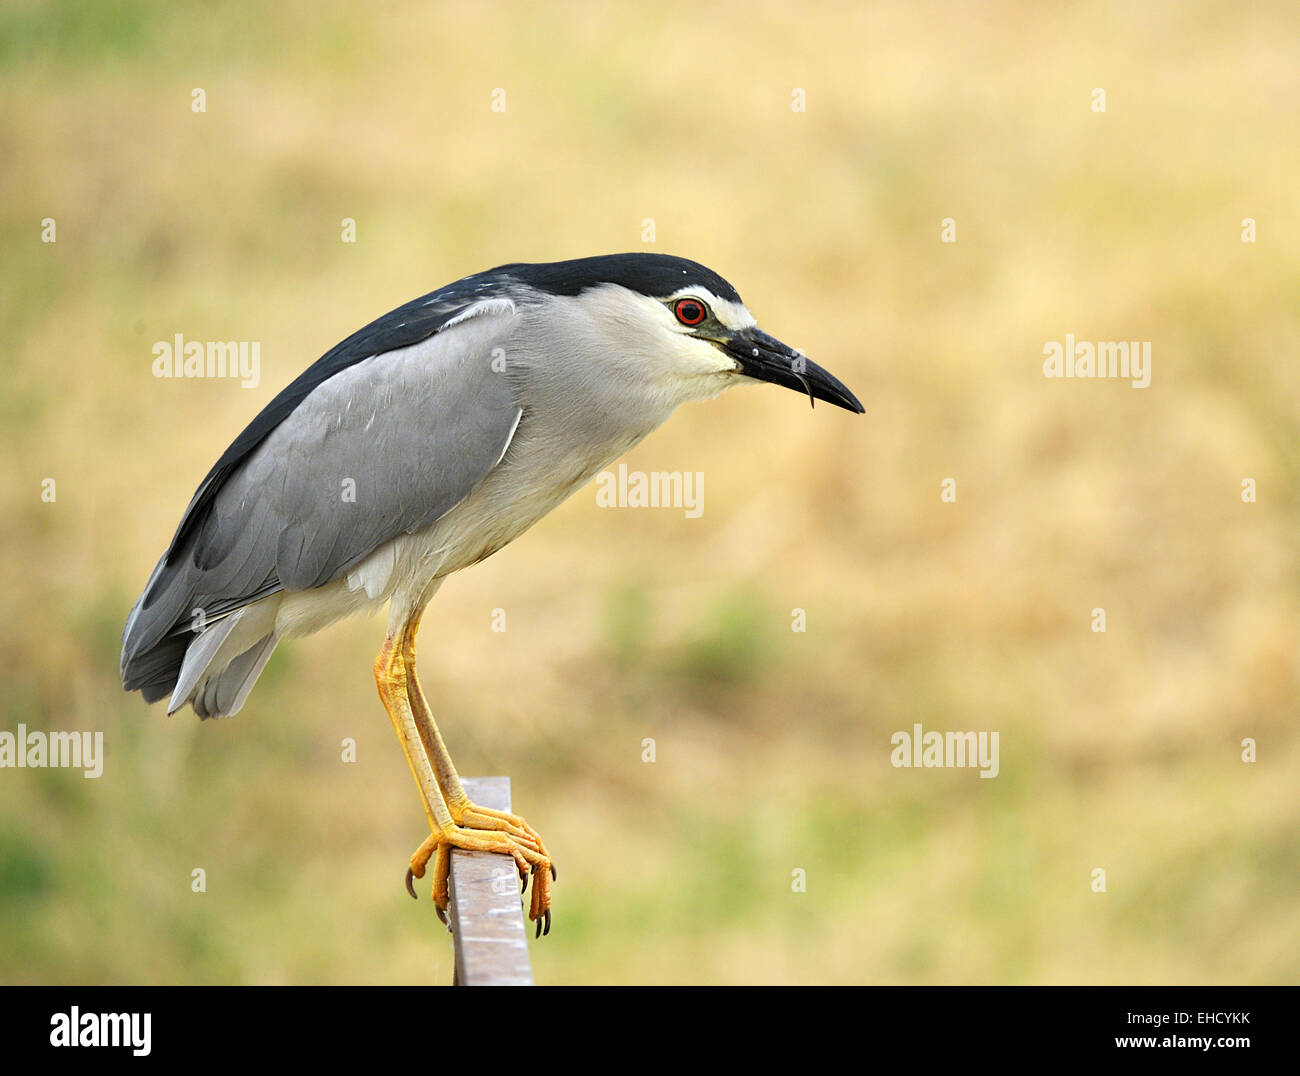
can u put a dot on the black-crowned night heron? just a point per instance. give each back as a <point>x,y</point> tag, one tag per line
<point>455,423</point>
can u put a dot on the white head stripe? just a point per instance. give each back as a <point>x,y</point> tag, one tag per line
<point>732,314</point>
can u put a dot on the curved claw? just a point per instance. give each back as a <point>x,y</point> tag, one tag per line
<point>528,856</point>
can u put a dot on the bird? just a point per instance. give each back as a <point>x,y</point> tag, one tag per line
<point>417,447</point>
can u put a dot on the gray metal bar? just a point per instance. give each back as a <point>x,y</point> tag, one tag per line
<point>486,915</point>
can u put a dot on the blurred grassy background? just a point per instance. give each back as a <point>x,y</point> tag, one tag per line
<point>1119,750</point>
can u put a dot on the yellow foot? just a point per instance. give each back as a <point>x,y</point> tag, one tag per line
<point>512,837</point>
<point>472,816</point>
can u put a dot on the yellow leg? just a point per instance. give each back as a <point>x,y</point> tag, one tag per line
<point>391,679</point>
<point>463,810</point>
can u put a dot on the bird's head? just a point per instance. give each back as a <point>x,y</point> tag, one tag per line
<point>674,324</point>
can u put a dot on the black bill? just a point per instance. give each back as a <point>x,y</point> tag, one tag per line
<point>765,358</point>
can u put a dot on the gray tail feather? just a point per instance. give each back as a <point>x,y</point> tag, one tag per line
<point>155,640</point>
<point>221,692</point>
<point>198,657</point>
<point>162,656</point>
<point>154,672</point>
<point>192,668</point>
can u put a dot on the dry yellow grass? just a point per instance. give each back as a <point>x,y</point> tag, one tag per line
<point>1119,750</point>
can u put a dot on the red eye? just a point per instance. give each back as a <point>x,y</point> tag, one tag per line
<point>690,311</point>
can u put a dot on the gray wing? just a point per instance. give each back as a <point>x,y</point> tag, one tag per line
<point>384,447</point>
